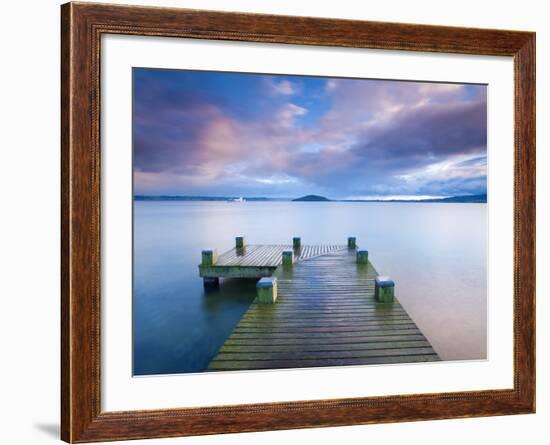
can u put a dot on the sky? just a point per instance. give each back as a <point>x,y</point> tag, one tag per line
<point>202,133</point>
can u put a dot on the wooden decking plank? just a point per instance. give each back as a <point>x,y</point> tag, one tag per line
<point>318,306</point>
<point>326,327</point>
<point>316,323</point>
<point>298,355</point>
<point>329,330</point>
<point>323,314</point>
<point>320,311</point>
<point>316,347</point>
<point>363,343</point>
<point>324,335</point>
<point>311,363</point>
<point>274,258</point>
<point>333,317</point>
<point>255,255</point>
<point>266,341</point>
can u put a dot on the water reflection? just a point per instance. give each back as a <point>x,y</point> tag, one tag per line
<point>231,292</point>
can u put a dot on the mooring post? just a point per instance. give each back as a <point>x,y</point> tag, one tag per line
<point>352,242</point>
<point>362,257</point>
<point>288,257</point>
<point>209,258</point>
<point>384,289</point>
<point>296,242</point>
<point>266,290</point>
<point>239,242</point>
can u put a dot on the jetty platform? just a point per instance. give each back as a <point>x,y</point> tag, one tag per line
<point>327,306</point>
<point>257,261</point>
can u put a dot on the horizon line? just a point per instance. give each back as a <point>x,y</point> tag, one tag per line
<point>348,198</point>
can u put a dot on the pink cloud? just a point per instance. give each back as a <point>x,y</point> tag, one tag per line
<point>282,87</point>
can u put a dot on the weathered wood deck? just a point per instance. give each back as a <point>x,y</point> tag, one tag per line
<point>325,315</point>
<point>259,260</point>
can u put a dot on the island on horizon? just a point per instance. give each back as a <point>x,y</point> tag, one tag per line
<point>480,199</point>
<point>311,198</point>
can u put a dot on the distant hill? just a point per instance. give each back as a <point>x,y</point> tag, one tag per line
<point>312,198</point>
<point>202,198</point>
<point>179,198</point>
<point>451,199</point>
<point>467,198</point>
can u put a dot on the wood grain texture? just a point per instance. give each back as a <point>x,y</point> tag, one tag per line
<point>260,255</point>
<point>258,260</point>
<point>82,27</point>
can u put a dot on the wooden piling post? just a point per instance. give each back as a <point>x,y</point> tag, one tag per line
<point>384,291</point>
<point>266,290</point>
<point>352,242</point>
<point>296,242</point>
<point>239,242</point>
<point>211,283</point>
<point>362,257</point>
<point>288,258</point>
<point>209,257</point>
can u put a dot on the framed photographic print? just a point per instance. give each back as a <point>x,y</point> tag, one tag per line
<point>275,222</point>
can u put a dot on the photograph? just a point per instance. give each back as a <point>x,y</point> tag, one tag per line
<point>279,219</point>
<point>289,221</point>
<point>233,222</point>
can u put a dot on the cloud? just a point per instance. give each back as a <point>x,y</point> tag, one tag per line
<point>288,113</point>
<point>456,167</point>
<point>276,179</point>
<point>282,87</point>
<point>354,138</point>
<point>380,133</point>
<point>331,84</point>
<point>396,197</point>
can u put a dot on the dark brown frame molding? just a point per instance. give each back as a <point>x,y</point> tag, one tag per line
<point>82,25</point>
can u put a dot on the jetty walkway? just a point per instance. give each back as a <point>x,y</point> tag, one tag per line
<point>326,306</point>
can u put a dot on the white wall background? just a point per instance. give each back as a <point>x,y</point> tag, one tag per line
<point>29,239</point>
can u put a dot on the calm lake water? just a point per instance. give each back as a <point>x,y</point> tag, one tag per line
<point>436,254</point>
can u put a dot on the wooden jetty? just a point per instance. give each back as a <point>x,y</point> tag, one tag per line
<point>255,261</point>
<point>330,309</point>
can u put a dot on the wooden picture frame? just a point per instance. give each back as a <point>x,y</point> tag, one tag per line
<point>82,25</point>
